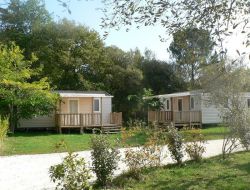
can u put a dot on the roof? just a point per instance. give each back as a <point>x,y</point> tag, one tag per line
<point>71,93</point>
<point>187,93</point>
<point>178,94</point>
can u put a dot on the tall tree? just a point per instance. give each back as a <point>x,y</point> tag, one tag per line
<point>123,78</point>
<point>20,19</point>
<point>191,48</point>
<point>72,56</point>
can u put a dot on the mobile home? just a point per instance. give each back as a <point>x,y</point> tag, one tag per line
<point>79,109</point>
<point>188,108</point>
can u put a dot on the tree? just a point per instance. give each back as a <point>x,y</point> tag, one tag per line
<point>123,78</point>
<point>19,20</point>
<point>72,56</point>
<point>161,77</point>
<point>191,49</point>
<point>225,82</point>
<point>20,98</point>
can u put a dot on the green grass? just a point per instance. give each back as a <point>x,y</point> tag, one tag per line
<point>210,132</point>
<point>213,173</point>
<point>45,142</point>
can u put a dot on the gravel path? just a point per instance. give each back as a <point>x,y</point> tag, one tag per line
<point>30,172</point>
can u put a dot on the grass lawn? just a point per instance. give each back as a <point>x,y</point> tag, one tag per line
<point>45,142</point>
<point>210,132</point>
<point>213,173</point>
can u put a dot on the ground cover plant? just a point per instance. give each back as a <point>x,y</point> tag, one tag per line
<point>213,173</point>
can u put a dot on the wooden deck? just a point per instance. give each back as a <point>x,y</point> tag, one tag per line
<point>183,118</point>
<point>89,121</point>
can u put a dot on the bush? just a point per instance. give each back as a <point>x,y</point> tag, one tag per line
<point>4,125</point>
<point>196,148</point>
<point>175,144</point>
<point>145,156</point>
<point>71,174</point>
<point>104,159</point>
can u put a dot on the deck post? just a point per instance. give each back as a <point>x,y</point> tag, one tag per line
<point>190,122</point>
<point>81,123</point>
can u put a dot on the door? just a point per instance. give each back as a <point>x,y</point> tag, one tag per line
<point>73,110</point>
<point>179,105</point>
<point>73,106</point>
<point>180,110</point>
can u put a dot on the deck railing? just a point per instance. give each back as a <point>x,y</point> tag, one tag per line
<point>86,119</point>
<point>175,116</point>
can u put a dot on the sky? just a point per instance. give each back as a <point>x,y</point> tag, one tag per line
<point>85,12</point>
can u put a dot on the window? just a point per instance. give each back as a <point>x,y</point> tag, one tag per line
<point>192,103</point>
<point>96,105</point>
<point>167,104</point>
<point>248,103</point>
<point>73,106</point>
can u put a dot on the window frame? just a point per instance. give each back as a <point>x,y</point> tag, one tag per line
<point>99,105</point>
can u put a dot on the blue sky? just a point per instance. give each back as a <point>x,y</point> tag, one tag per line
<point>85,12</point>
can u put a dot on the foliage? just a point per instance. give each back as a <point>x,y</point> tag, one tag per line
<point>191,49</point>
<point>72,56</point>
<point>104,159</point>
<point>196,147</point>
<point>19,20</point>
<point>4,126</point>
<point>143,102</point>
<point>161,77</point>
<point>21,98</point>
<point>175,144</point>
<point>71,174</point>
<point>149,154</point>
<point>222,18</point>
<point>226,81</point>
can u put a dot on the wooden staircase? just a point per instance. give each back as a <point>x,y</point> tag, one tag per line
<point>111,129</point>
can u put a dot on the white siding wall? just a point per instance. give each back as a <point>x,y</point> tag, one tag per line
<point>106,109</point>
<point>38,122</point>
<point>210,114</point>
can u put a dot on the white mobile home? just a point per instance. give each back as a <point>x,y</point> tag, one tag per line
<point>78,109</point>
<point>191,107</point>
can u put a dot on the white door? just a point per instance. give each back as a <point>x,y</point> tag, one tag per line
<point>73,110</point>
<point>73,106</point>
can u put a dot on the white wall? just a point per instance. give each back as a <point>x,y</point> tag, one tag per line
<point>106,109</point>
<point>210,114</point>
<point>38,122</point>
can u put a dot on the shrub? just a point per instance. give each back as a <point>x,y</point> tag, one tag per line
<point>104,159</point>
<point>71,174</point>
<point>196,148</point>
<point>4,125</point>
<point>175,144</point>
<point>145,156</point>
